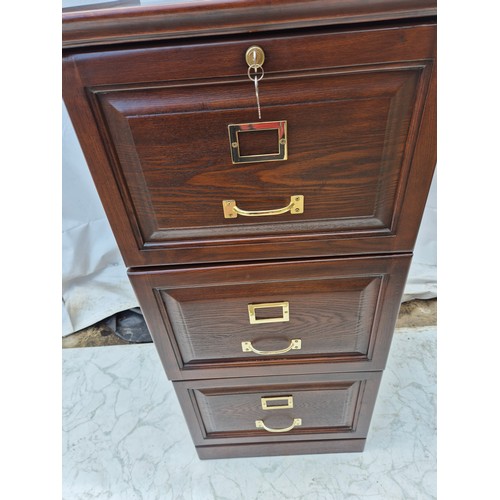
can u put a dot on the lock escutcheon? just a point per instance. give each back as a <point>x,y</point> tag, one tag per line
<point>255,56</point>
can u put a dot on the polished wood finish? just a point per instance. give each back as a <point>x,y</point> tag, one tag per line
<point>344,310</point>
<point>222,412</point>
<point>353,101</point>
<point>282,448</point>
<point>355,82</point>
<point>171,20</point>
<point>180,170</point>
<point>329,407</point>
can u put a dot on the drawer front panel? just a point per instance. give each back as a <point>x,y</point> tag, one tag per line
<point>304,408</point>
<point>351,125</point>
<point>327,406</point>
<point>331,316</point>
<point>346,137</point>
<point>338,312</point>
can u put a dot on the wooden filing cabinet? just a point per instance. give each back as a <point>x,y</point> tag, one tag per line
<point>268,255</point>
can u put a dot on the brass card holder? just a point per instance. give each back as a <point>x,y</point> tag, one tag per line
<point>271,402</point>
<point>252,312</point>
<point>234,141</point>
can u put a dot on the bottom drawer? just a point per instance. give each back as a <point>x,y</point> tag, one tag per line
<point>279,415</point>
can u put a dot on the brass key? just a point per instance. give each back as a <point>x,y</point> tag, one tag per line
<point>255,59</point>
<point>256,81</point>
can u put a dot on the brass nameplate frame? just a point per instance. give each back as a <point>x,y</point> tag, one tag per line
<point>269,403</point>
<point>234,143</point>
<point>252,312</point>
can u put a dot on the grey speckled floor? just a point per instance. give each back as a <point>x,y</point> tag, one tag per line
<point>124,436</point>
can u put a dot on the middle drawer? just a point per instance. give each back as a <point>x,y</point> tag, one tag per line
<point>325,314</point>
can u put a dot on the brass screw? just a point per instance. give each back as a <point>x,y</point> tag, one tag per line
<point>283,141</point>
<point>234,144</point>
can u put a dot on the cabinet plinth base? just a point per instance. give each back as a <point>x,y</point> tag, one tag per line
<point>281,449</point>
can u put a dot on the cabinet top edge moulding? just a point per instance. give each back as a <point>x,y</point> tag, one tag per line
<point>108,22</point>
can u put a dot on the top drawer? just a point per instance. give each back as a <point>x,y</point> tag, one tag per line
<point>359,143</point>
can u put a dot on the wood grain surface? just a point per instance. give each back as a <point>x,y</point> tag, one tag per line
<point>151,91</point>
<point>170,20</point>
<point>343,310</point>
<point>332,406</point>
<point>153,127</point>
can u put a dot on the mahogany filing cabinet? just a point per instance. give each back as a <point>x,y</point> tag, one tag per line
<point>268,254</point>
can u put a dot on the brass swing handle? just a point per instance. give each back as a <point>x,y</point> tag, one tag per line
<point>294,344</point>
<point>261,425</point>
<point>296,206</point>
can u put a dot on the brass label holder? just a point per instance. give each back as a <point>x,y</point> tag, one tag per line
<point>234,143</point>
<point>252,312</point>
<point>269,403</point>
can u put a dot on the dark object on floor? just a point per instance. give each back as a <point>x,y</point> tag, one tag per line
<point>130,326</point>
<point>126,327</point>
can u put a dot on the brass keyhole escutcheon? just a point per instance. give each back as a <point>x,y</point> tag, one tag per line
<point>255,56</point>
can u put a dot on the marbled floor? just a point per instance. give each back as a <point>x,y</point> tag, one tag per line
<point>124,436</point>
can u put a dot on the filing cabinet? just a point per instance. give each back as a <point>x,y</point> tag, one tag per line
<point>269,255</point>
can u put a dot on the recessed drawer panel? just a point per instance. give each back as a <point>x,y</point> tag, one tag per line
<point>330,161</point>
<point>346,134</point>
<point>334,312</point>
<point>277,409</point>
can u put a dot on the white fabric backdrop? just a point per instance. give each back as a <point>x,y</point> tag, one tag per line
<point>94,279</point>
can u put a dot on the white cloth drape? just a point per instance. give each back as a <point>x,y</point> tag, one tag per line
<point>94,279</point>
<point>422,278</point>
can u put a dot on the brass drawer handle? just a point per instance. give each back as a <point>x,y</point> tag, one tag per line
<point>261,425</point>
<point>294,344</point>
<point>296,206</point>
<point>285,312</point>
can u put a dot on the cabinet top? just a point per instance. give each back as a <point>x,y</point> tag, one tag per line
<point>104,22</point>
